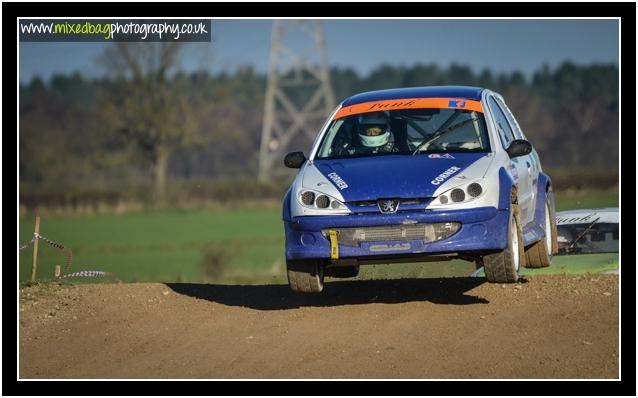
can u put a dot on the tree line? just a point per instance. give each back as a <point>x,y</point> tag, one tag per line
<point>148,131</point>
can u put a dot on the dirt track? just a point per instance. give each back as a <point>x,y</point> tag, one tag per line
<point>545,327</point>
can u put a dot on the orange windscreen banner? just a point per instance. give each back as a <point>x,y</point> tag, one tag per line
<point>409,103</point>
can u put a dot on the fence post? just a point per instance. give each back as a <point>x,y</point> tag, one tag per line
<point>57,271</point>
<point>35,247</point>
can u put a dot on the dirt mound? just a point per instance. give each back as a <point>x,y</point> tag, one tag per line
<point>544,327</point>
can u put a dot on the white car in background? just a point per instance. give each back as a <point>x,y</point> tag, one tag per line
<point>586,231</point>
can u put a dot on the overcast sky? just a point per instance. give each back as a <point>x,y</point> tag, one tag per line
<point>501,45</point>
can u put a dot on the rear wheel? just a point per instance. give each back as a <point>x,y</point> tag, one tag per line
<point>503,267</point>
<point>539,254</point>
<point>305,276</point>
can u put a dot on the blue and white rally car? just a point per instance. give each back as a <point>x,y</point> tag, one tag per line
<point>418,174</point>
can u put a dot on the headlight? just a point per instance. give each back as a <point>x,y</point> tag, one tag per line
<point>318,200</point>
<point>460,194</point>
<point>308,198</point>
<point>475,189</point>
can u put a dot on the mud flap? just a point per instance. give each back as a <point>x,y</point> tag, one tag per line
<point>518,216</point>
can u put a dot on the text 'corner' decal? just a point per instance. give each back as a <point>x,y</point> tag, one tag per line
<point>457,103</point>
<point>339,182</point>
<point>445,175</point>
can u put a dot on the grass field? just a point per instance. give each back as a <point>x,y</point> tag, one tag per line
<point>163,245</point>
<point>585,199</point>
<point>224,246</point>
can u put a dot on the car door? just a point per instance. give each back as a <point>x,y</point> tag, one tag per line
<point>531,161</point>
<point>520,167</point>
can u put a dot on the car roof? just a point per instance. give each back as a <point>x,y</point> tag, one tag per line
<point>467,92</point>
<point>580,216</point>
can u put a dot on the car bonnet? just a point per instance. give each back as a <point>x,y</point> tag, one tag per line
<point>393,176</point>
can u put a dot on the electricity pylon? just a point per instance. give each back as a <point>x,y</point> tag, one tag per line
<point>298,95</point>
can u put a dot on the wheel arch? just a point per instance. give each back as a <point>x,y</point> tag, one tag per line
<point>507,190</point>
<point>544,192</point>
<point>286,206</point>
<point>536,228</point>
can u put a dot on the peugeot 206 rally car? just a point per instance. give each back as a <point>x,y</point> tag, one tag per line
<point>418,174</point>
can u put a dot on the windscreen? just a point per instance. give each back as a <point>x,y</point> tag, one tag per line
<point>405,132</point>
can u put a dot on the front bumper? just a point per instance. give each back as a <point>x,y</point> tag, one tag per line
<point>482,229</point>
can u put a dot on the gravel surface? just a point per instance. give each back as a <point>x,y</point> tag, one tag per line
<point>543,327</point>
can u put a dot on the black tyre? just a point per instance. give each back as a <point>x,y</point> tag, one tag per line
<point>343,271</point>
<point>305,276</point>
<point>503,267</point>
<point>539,254</point>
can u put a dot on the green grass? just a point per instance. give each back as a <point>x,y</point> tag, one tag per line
<point>434,269</point>
<point>578,264</point>
<point>159,246</point>
<point>575,264</point>
<point>184,245</point>
<point>585,199</point>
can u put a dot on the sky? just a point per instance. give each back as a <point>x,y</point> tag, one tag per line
<point>363,44</point>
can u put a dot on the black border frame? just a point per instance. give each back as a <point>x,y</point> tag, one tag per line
<point>627,13</point>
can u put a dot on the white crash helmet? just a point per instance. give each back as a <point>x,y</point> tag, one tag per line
<point>374,129</point>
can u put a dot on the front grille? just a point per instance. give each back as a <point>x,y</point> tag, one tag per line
<point>366,203</point>
<point>426,232</point>
<point>405,204</point>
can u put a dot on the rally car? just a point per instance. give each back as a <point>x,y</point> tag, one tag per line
<point>418,174</point>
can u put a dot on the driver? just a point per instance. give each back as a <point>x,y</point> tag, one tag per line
<point>374,133</point>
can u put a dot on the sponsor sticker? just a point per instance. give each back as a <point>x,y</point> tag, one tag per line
<point>445,175</point>
<point>457,103</point>
<point>390,247</point>
<point>440,156</point>
<point>339,182</point>
<point>409,103</point>
<point>561,220</point>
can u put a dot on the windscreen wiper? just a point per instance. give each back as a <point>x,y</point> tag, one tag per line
<point>440,133</point>
<point>573,242</point>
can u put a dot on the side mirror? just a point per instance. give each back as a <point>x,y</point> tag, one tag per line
<point>294,160</point>
<point>519,148</point>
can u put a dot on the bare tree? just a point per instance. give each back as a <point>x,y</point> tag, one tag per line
<point>146,106</point>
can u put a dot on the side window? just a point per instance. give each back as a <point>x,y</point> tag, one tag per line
<point>502,125</point>
<point>518,132</point>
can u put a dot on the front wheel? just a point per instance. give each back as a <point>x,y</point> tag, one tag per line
<point>305,276</point>
<point>503,267</point>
